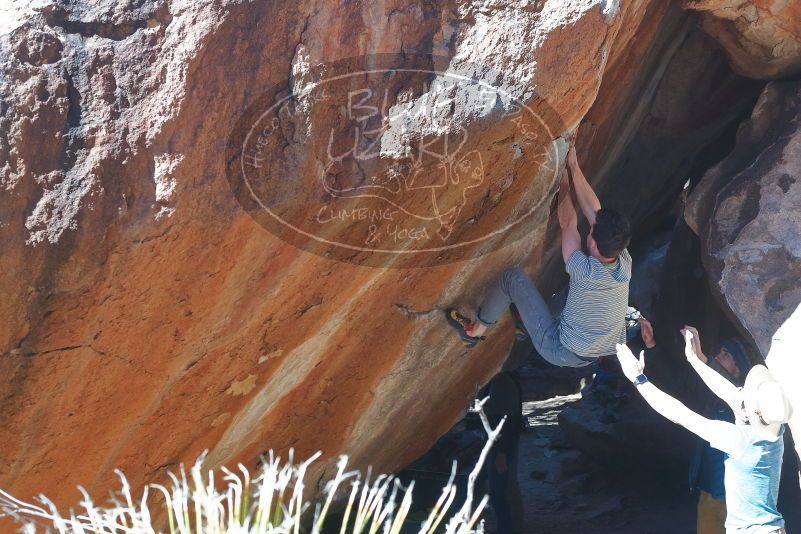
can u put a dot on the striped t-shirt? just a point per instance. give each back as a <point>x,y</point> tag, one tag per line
<point>593,319</point>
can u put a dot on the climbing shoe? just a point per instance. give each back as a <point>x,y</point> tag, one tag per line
<point>460,323</point>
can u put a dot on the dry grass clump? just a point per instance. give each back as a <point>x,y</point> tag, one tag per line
<point>271,503</point>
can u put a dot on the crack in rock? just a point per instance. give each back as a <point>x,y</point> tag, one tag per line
<point>411,313</point>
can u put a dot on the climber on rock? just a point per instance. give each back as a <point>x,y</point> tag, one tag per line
<point>591,321</point>
<point>754,444</point>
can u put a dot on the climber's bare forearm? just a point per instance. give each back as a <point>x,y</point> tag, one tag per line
<point>568,222</point>
<point>587,199</point>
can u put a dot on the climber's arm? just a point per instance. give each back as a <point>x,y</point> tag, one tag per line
<point>568,221</point>
<point>587,199</point>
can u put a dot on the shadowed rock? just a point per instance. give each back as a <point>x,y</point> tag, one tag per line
<point>745,211</point>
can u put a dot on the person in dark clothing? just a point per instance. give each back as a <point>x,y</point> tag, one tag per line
<point>505,399</point>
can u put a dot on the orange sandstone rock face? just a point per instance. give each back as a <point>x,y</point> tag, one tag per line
<point>762,38</point>
<point>150,310</point>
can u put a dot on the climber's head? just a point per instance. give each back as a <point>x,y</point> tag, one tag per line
<point>609,235</point>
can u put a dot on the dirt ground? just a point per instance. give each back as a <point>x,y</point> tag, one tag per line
<point>564,491</point>
<point>567,491</point>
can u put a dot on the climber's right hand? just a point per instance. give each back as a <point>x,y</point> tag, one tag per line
<point>572,160</point>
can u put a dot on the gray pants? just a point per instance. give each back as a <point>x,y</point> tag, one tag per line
<point>514,287</point>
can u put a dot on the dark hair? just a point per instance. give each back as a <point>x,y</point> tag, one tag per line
<point>611,232</point>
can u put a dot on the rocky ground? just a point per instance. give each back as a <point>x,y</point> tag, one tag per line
<point>586,464</point>
<point>566,491</point>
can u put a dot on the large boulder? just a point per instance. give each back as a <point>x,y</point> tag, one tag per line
<point>152,306</point>
<point>151,310</point>
<point>745,211</point>
<point>761,38</point>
